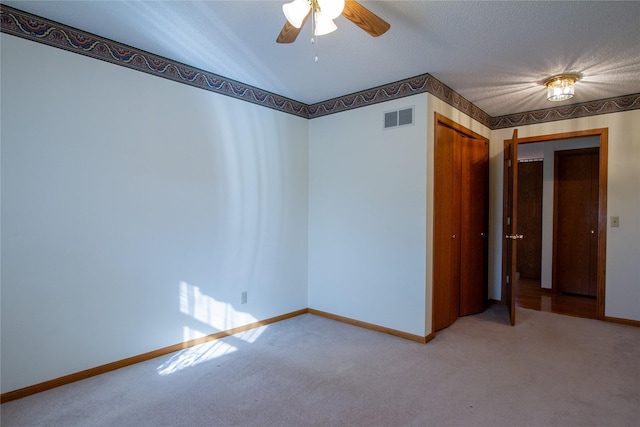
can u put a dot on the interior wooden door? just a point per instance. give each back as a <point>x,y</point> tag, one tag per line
<point>446,254</point>
<point>576,221</point>
<point>510,227</point>
<point>474,224</point>
<point>529,265</point>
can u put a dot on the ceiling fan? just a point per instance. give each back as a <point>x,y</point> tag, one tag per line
<point>324,12</point>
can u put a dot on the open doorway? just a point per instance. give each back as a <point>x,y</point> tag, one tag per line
<point>537,284</point>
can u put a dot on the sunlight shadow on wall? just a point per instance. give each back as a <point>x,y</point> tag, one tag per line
<point>213,313</point>
<point>216,314</point>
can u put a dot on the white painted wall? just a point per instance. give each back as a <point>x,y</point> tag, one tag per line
<point>135,210</point>
<point>547,151</point>
<point>367,201</point>
<point>622,298</point>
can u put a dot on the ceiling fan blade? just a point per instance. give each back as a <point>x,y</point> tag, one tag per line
<point>289,33</point>
<point>364,18</point>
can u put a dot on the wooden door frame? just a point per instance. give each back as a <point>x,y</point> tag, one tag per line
<point>603,135</point>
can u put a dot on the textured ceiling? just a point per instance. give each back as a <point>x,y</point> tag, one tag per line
<point>495,54</point>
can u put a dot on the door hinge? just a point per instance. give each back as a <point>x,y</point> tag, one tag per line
<point>509,163</point>
<point>508,220</point>
<point>508,278</point>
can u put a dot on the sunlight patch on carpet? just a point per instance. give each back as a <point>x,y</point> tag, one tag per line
<point>195,355</point>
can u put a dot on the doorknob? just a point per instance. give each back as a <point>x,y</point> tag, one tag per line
<point>514,236</point>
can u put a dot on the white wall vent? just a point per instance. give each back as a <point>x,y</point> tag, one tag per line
<point>397,118</point>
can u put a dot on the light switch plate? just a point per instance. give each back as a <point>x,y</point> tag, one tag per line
<point>615,221</point>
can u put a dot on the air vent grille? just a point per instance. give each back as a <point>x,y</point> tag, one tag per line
<point>397,118</point>
<point>390,119</point>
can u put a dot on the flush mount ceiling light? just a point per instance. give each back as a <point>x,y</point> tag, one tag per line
<point>560,87</point>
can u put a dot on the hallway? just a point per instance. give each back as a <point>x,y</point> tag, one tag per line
<point>530,295</point>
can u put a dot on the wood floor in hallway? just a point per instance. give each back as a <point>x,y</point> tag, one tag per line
<point>530,295</point>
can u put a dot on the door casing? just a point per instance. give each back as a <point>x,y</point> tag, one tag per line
<point>603,135</point>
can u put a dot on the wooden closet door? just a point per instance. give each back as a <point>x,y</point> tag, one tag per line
<point>446,249</point>
<point>474,220</point>
<point>461,209</point>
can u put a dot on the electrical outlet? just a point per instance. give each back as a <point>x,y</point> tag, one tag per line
<point>615,221</point>
<point>243,297</point>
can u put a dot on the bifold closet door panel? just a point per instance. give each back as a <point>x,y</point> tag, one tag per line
<point>446,258</point>
<point>474,184</point>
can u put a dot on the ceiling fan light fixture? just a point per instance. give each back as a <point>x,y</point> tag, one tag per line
<point>561,87</point>
<point>296,11</point>
<point>324,24</point>
<point>322,13</point>
<point>331,8</point>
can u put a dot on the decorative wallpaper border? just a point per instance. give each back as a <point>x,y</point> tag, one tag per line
<point>573,111</point>
<point>54,34</point>
<point>407,87</point>
<point>41,30</point>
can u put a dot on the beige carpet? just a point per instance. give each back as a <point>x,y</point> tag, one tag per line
<point>548,370</point>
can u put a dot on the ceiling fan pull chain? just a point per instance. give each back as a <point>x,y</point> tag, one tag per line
<point>313,24</point>
<point>314,37</point>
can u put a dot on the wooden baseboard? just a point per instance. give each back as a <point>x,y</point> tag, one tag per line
<point>429,337</point>
<point>373,327</point>
<point>77,376</point>
<point>102,369</point>
<point>622,321</point>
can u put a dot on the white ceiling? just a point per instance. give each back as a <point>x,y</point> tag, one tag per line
<point>494,53</point>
